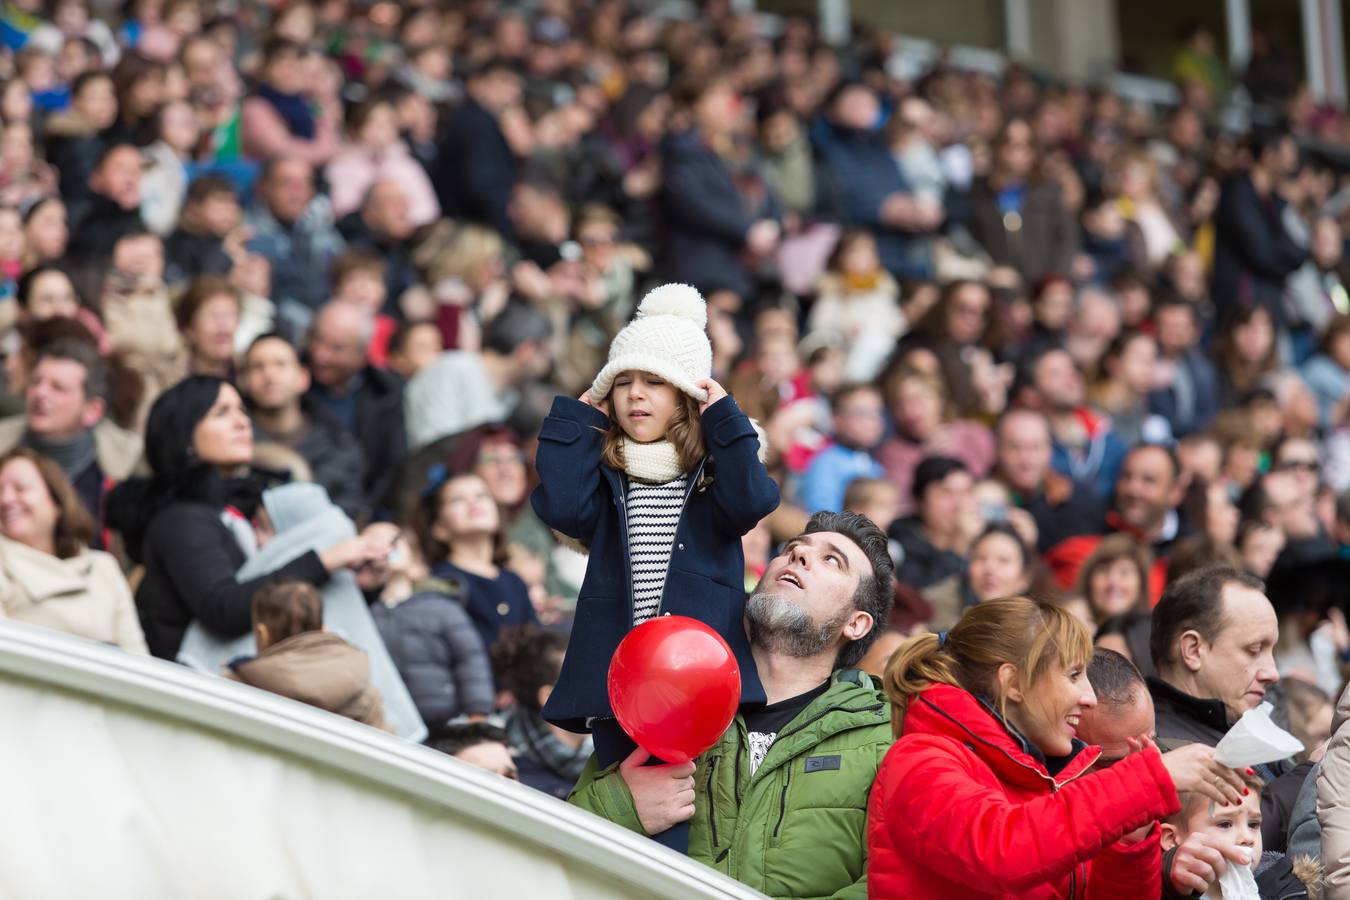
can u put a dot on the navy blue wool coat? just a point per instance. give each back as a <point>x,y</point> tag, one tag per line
<point>583,498</point>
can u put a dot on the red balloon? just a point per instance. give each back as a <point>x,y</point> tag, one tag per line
<point>674,686</point>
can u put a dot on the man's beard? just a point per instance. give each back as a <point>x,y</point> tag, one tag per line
<point>781,626</point>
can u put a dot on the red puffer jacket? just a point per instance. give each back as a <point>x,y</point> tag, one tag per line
<point>959,809</point>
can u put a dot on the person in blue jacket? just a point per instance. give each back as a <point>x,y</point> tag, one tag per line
<point>657,471</point>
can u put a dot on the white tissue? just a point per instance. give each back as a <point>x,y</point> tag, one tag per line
<point>1236,883</point>
<point>1255,739</point>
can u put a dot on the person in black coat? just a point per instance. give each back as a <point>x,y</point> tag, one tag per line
<point>476,168</point>
<point>189,525</point>
<point>1253,252</point>
<point>1191,399</point>
<point>274,382</point>
<point>197,246</point>
<point>711,227</point>
<point>365,400</point>
<point>113,209</point>
<point>863,183</point>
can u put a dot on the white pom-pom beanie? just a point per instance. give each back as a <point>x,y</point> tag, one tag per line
<point>669,339</point>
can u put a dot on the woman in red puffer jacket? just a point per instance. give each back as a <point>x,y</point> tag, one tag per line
<point>988,792</point>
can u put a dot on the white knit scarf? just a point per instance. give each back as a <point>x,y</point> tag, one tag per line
<point>656,462</point>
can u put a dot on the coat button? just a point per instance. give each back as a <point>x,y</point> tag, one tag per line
<point>503,609</point>
<point>679,546</point>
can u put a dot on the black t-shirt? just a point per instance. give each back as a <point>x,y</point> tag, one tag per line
<point>764,723</point>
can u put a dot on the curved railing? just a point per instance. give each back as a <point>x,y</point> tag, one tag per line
<point>129,777</point>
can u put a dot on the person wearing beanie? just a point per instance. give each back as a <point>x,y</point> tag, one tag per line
<point>657,472</point>
<point>189,523</point>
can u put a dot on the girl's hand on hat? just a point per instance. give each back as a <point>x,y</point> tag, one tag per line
<point>715,392</point>
<point>603,405</point>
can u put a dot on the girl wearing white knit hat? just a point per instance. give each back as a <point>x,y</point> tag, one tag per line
<point>657,471</point>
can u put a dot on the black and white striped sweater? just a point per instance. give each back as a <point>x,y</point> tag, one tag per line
<point>653,512</point>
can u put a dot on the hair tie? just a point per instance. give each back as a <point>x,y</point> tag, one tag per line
<point>942,639</point>
<point>437,475</point>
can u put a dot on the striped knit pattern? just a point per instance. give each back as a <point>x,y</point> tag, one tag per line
<point>653,515</point>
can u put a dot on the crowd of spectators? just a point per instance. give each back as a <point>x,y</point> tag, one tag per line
<point>1049,338</point>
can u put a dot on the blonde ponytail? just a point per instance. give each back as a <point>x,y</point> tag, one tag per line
<point>916,664</point>
<point>1031,635</point>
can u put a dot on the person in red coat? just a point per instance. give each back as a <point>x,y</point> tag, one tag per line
<point>989,793</point>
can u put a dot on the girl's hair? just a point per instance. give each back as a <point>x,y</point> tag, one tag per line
<point>428,511</point>
<point>1033,636</point>
<point>74,527</point>
<point>1244,374</point>
<point>846,241</point>
<point>1112,548</point>
<point>685,432</point>
<point>526,658</point>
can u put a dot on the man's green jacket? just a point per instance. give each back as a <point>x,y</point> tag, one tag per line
<point>795,828</point>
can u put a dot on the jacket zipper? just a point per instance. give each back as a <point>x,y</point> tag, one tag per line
<point>689,489</point>
<point>712,808</point>
<point>782,801</point>
<point>627,561</point>
<point>737,773</point>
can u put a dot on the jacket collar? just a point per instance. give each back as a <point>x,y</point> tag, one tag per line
<point>961,716</point>
<point>854,700</point>
<point>1210,713</point>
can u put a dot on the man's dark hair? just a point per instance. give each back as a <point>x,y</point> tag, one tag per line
<point>932,470</point>
<point>1172,459</point>
<point>208,186</point>
<point>279,47</point>
<point>1261,140</point>
<point>456,738</point>
<point>87,356</point>
<point>272,336</point>
<point>519,323</point>
<point>527,658</point>
<point>876,590</point>
<point>495,65</point>
<point>1194,603</point>
<point>84,79</point>
<point>848,390</point>
<point>398,341</point>
<point>1114,678</point>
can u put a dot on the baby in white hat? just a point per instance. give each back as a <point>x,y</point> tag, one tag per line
<point>657,471</point>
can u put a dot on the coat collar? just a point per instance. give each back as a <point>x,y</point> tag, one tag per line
<point>1210,713</point>
<point>854,700</point>
<point>961,716</point>
<point>42,575</point>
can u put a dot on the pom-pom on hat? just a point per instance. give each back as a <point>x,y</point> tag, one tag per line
<point>669,339</point>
